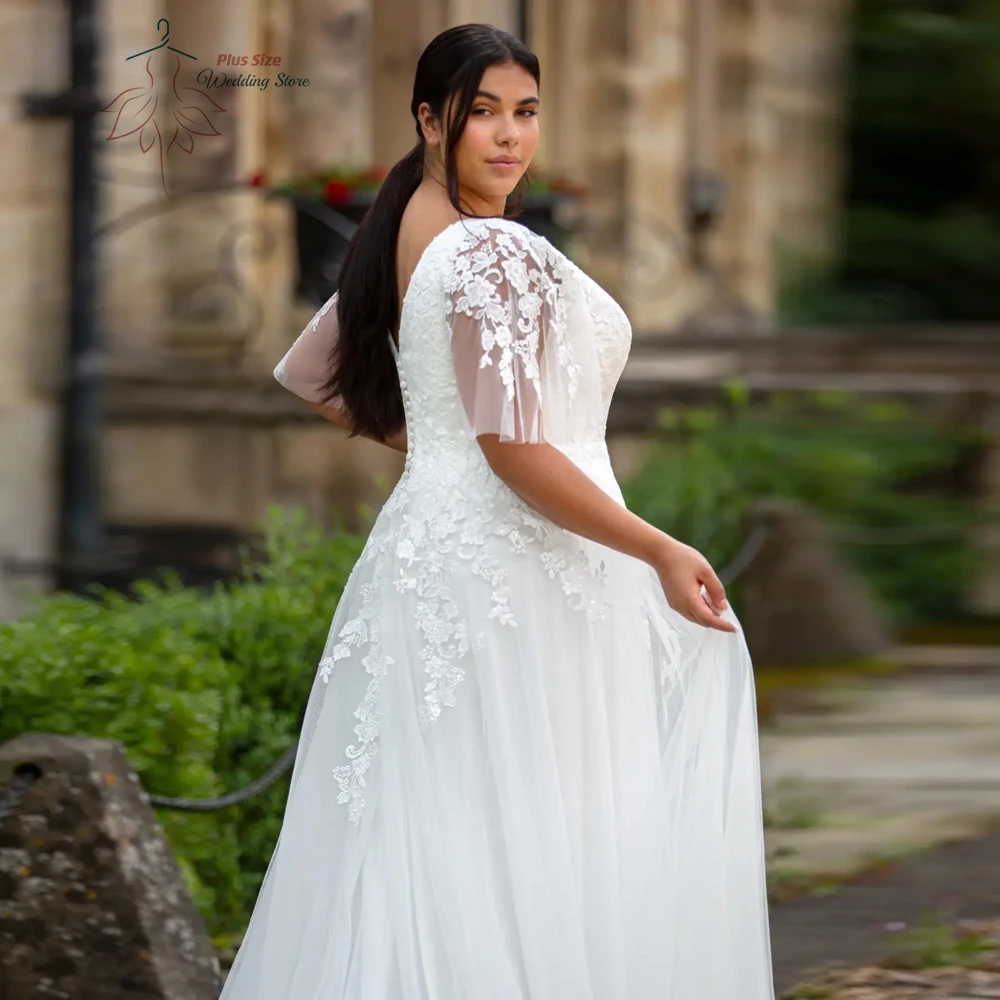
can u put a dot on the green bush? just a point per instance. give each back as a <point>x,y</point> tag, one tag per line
<point>205,690</point>
<point>865,467</point>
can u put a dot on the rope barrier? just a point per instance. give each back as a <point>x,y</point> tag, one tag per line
<point>271,775</point>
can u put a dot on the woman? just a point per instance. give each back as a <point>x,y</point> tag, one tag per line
<point>528,767</point>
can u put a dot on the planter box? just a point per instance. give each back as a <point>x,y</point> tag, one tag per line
<point>321,237</point>
<point>322,233</point>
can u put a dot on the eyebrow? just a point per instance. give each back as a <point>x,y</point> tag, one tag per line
<point>494,97</point>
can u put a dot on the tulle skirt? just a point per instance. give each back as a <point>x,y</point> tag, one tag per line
<point>559,801</point>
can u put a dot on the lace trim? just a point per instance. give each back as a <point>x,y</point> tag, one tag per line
<point>326,308</point>
<point>500,259</point>
<point>359,631</point>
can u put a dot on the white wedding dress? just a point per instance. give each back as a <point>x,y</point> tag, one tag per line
<point>521,774</point>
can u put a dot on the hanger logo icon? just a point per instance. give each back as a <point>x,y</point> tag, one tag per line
<point>184,112</point>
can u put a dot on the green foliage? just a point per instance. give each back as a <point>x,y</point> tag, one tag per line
<point>864,467</point>
<point>934,944</point>
<point>205,690</point>
<point>921,226</point>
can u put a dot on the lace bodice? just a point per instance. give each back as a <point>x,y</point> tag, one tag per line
<point>453,378</point>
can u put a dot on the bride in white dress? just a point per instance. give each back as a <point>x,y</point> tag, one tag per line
<point>528,768</point>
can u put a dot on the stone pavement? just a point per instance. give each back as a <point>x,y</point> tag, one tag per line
<point>878,769</point>
<point>959,961</point>
<point>859,924</point>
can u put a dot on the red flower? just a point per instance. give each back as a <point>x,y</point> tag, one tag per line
<point>337,193</point>
<point>259,179</point>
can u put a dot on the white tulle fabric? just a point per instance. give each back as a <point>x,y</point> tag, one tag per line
<point>521,775</point>
<point>306,365</point>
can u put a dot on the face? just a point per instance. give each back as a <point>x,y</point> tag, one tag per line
<point>502,126</point>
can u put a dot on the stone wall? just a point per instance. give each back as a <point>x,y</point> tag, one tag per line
<point>34,179</point>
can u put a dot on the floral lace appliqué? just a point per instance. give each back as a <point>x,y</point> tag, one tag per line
<point>501,261</point>
<point>361,630</point>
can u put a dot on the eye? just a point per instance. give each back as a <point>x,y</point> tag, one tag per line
<point>530,112</point>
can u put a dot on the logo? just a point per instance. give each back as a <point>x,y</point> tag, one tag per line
<point>167,114</point>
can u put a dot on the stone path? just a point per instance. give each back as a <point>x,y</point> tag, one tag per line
<point>881,769</point>
<point>957,881</point>
<point>955,962</point>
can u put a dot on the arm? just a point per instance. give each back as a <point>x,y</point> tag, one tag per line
<point>303,370</point>
<point>548,481</point>
<point>528,376</point>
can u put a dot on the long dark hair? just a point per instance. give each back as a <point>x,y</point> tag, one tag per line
<point>362,368</point>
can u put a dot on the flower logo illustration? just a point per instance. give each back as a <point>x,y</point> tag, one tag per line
<point>188,114</point>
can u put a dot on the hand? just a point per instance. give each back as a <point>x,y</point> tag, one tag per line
<point>690,585</point>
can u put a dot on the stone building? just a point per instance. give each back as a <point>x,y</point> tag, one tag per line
<point>195,291</point>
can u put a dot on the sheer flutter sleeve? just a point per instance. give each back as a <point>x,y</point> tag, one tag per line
<point>306,365</point>
<point>523,353</point>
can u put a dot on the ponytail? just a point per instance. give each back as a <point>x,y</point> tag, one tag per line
<point>363,370</point>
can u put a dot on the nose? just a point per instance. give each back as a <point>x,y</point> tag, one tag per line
<point>507,129</point>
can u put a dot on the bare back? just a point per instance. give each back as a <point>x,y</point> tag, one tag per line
<point>423,218</point>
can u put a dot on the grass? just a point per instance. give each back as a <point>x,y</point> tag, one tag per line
<point>793,814</point>
<point>933,945</point>
<point>809,991</point>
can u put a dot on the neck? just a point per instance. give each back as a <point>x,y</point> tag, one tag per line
<point>472,203</point>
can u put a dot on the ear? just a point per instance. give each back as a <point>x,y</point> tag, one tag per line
<point>429,125</point>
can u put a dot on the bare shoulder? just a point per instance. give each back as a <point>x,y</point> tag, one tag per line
<point>418,228</point>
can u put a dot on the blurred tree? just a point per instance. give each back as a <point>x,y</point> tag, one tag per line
<point>921,227</point>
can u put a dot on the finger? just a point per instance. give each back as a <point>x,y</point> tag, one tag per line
<point>704,615</point>
<point>715,589</point>
<point>687,615</point>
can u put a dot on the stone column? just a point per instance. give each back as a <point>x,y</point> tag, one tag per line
<point>744,243</point>
<point>584,50</point>
<point>331,118</point>
<point>805,57</point>
<point>34,192</point>
<point>658,279</point>
<point>132,257</point>
<point>500,13</point>
<point>216,134</point>
<point>401,31</point>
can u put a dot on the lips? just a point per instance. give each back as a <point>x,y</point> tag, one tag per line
<point>506,161</point>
